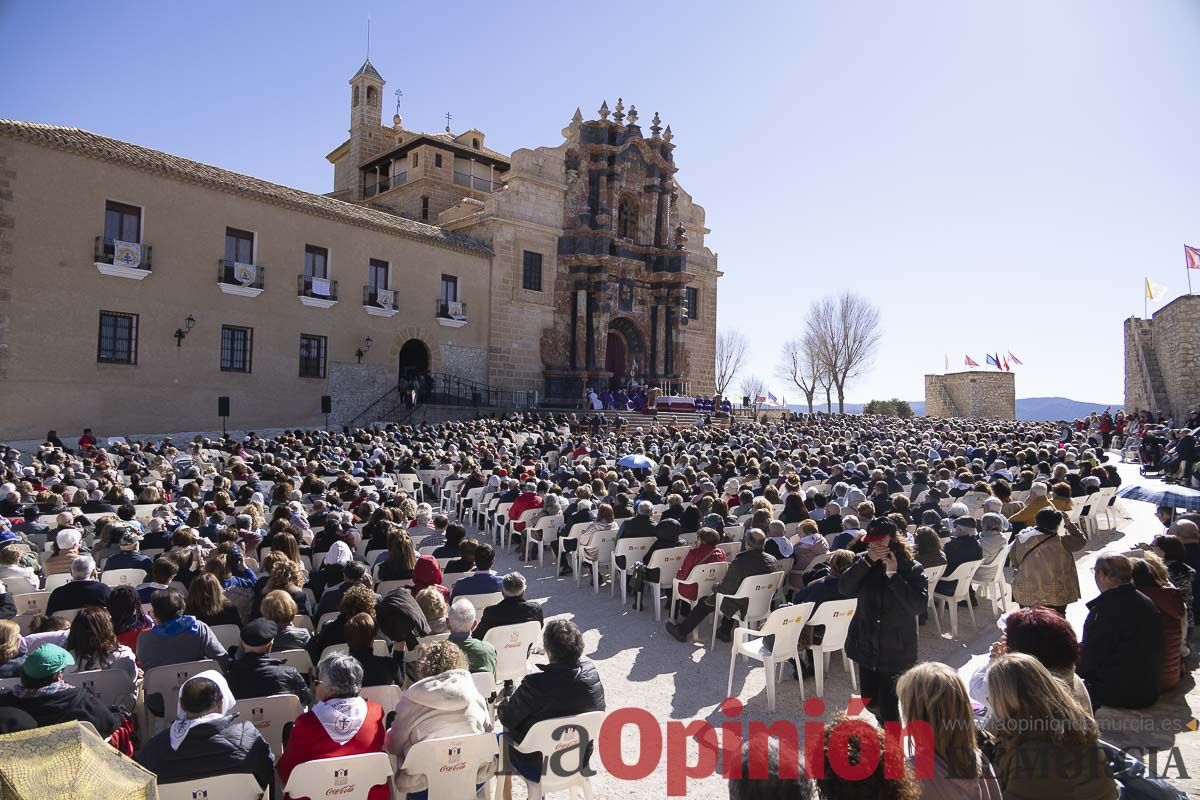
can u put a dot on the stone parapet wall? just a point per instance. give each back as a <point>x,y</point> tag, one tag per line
<point>979,395</point>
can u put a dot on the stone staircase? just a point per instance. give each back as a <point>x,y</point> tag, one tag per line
<point>1152,378</point>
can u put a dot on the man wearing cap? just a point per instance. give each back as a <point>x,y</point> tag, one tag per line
<point>46,697</point>
<point>83,590</point>
<point>753,560</point>
<point>129,557</point>
<point>253,673</point>
<point>964,546</point>
<point>30,527</point>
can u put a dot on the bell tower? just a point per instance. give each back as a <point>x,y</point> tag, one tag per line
<point>368,137</point>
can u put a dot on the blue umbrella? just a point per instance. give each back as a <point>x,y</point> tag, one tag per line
<point>637,461</point>
<point>1170,497</point>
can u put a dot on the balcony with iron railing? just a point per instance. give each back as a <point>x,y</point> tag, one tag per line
<point>379,302</point>
<point>373,186</point>
<point>234,278</point>
<point>309,296</point>
<point>451,313</point>
<point>136,265</point>
<point>477,183</point>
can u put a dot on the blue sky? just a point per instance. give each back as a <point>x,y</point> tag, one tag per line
<point>994,176</point>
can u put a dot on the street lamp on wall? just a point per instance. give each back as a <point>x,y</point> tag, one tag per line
<point>181,333</point>
<point>366,348</point>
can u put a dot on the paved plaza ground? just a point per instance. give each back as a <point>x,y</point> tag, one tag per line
<point>642,667</point>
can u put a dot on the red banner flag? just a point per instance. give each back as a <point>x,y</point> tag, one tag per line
<point>971,362</point>
<point>1192,254</point>
<point>1013,358</point>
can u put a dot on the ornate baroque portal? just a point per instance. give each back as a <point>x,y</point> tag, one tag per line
<point>622,262</point>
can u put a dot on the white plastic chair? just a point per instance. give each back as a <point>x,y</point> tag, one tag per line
<point>387,587</point>
<point>69,614</point>
<point>633,550</point>
<point>512,643</point>
<point>835,615</point>
<point>31,602</point>
<point>451,578</point>
<point>785,625</point>
<point>228,635</point>
<point>547,737</point>
<point>55,581</point>
<point>758,590</point>
<point>932,576</point>
<point>604,542</point>
<point>962,586</point>
<point>510,530</point>
<point>165,681</point>
<point>548,528</point>
<point>347,778</point>
<point>387,695</point>
<point>451,764</point>
<point>730,549</point>
<point>482,601</point>
<point>485,682</point>
<point>299,660</point>
<point>667,563</point>
<point>327,617</point>
<point>113,687</point>
<point>497,520</point>
<point>241,786</point>
<point>990,580</point>
<point>270,715</point>
<point>705,577</point>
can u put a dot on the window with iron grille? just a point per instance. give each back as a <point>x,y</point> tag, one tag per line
<point>237,346</point>
<point>693,302</point>
<point>117,343</point>
<point>531,273</point>
<point>312,356</point>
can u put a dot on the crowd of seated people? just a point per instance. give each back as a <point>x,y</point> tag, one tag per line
<point>306,544</point>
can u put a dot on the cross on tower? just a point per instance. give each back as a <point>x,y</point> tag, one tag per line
<point>398,94</point>
<point>449,116</point>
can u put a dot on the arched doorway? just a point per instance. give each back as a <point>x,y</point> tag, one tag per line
<point>615,360</point>
<point>414,360</point>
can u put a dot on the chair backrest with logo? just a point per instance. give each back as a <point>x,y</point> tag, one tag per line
<point>348,778</point>
<point>512,643</point>
<point>271,715</point>
<point>451,764</point>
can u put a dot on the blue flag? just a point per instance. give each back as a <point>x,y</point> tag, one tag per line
<point>994,361</point>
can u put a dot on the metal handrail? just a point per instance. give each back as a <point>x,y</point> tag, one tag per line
<point>225,274</point>
<point>304,288</point>
<point>105,251</point>
<point>442,309</point>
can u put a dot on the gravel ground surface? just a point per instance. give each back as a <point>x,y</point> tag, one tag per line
<point>644,668</point>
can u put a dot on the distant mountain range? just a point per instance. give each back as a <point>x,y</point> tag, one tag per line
<point>1028,408</point>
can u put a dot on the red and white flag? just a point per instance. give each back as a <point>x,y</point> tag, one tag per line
<point>1192,254</point>
<point>970,362</point>
<point>1013,358</point>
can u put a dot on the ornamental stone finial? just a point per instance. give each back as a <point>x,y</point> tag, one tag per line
<point>655,126</point>
<point>604,111</point>
<point>619,114</point>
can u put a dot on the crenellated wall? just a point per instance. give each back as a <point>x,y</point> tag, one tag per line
<point>980,395</point>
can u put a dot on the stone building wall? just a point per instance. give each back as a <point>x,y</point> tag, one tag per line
<point>355,386</point>
<point>1162,359</point>
<point>980,395</point>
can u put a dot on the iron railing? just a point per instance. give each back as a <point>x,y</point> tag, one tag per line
<point>304,288</point>
<point>477,183</point>
<point>384,183</point>
<point>371,298</point>
<point>442,309</point>
<point>105,252</point>
<point>434,388</point>
<point>225,274</point>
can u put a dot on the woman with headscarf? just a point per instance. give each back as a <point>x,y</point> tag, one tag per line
<point>205,739</point>
<point>330,571</point>
<point>428,573</point>
<point>340,724</point>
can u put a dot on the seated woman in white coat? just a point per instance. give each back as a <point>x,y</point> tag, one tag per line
<point>444,702</point>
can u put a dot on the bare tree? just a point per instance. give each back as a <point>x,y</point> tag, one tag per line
<point>799,366</point>
<point>753,386</point>
<point>731,357</point>
<point>845,331</point>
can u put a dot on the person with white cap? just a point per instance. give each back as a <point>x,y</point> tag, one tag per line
<point>206,740</point>
<point>66,549</point>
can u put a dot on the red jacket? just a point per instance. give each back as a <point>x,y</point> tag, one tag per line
<point>1171,612</point>
<point>526,501</point>
<point>700,554</point>
<point>309,742</point>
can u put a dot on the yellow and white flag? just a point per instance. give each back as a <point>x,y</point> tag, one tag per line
<point>1154,290</point>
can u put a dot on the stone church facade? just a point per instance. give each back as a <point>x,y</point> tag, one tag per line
<point>599,275</point>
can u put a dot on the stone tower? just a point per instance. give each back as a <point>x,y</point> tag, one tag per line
<point>368,137</point>
<point>977,395</point>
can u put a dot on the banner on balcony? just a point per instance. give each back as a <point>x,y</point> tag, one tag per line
<point>320,286</point>
<point>245,274</point>
<point>455,309</point>
<point>386,298</point>
<point>127,254</point>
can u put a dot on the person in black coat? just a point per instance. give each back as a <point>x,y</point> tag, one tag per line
<point>568,685</point>
<point>753,560</point>
<point>639,525</point>
<point>512,610</point>
<point>43,695</point>
<point>1122,651</point>
<point>360,639</point>
<point>401,619</point>
<point>253,673</point>
<point>892,591</point>
<point>222,746</point>
<point>83,590</point>
<point>964,546</point>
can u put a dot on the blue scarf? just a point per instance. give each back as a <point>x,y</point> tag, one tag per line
<point>181,624</point>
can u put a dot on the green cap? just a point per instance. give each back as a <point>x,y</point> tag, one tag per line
<point>47,660</point>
